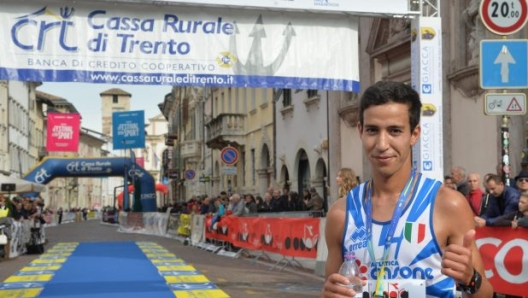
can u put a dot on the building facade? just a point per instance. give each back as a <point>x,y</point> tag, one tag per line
<point>112,100</point>
<point>301,119</point>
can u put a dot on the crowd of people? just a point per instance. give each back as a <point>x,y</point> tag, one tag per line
<point>248,204</point>
<point>496,204</point>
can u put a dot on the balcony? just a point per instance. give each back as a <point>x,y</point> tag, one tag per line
<point>172,134</point>
<point>169,142</point>
<point>226,129</point>
<point>191,149</point>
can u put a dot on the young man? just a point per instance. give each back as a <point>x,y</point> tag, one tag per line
<point>373,221</point>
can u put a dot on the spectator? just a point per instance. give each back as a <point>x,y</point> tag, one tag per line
<point>59,213</point>
<point>475,194</point>
<point>219,213</point>
<point>294,202</point>
<point>459,177</point>
<point>346,180</point>
<point>504,200</point>
<point>517,218</point>
<point>283,200</point>
<point>259,202</point>
<point>205,207</point>
<point>275,201</point>
<point>266,204</point>
<point>4,209</point>
<point>239,206</point>
<point>316,202</point>
<point>521,181</point>
<point>449,182</point>
<point>251,204</point>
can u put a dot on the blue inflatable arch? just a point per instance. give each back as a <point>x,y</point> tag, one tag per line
<point>51,168</point>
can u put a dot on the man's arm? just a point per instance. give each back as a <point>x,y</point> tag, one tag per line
<point>335,225</point>
<point>457,239</point>
<point>505,220</point>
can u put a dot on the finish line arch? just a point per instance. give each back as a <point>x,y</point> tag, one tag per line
<point>51,168</point>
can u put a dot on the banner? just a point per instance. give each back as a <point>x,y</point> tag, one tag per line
<point>63,132</point>
<point>383,7</point>
<point>128,130</point>
<point>178,45</point>
<point>426,79</point>
<point>505,255</point>
<point>292,237</point>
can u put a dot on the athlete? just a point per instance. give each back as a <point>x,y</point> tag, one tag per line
<point>400,224</point>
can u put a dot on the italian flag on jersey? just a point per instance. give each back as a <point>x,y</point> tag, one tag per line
<point>414,232</point>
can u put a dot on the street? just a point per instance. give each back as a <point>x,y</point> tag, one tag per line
<point>236,277</point>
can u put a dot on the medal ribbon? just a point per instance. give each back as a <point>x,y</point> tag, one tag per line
<point>404,195</point>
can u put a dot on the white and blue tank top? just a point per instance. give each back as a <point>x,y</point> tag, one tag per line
<point>414,253</point>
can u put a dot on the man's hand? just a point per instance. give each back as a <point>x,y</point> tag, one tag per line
<point>457,260</point>
<point>334,287</point>
<point>514,224</point>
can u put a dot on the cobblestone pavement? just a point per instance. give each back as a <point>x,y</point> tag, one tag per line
<point>237,277</point>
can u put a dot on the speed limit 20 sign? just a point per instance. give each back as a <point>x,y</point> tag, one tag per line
<point>504,17</point>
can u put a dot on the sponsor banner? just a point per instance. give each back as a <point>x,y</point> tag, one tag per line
<point>63,132</point>
<point>505,255</point>
<point>384,7</point>
<point>293,237</point>
<point>128,130</point>
<point>179,45</point>
<point>426,79</point>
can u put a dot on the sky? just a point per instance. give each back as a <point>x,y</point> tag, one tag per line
<point>85,97</point>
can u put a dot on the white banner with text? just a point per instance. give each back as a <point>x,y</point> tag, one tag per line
<point>177,45</point>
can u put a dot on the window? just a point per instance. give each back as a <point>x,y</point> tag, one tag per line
<point>222,96</point>
<point>311,93</point>
<point>253,98</point>
<point>243,155</point>
<point>253,170</point>
<point>229,102</point>
<point>286,97</point>
<point>115,99</point>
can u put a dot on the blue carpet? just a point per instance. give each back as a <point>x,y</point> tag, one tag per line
<point>107,269</point>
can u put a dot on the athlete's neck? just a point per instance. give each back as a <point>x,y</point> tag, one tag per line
<point>389,187</point>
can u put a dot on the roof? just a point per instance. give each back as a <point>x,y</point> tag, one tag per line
<point>115,91</point>
<point>47,96</point>
<point>55,101</point>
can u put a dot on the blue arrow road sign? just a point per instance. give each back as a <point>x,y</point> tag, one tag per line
<point>504,64</point>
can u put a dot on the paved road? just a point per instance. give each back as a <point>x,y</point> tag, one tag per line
<point>237,277</point>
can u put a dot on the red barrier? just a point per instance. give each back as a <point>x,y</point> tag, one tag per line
<point>505,255</point>
<point>293,237</point>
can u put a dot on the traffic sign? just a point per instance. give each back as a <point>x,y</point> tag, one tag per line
<point>504,64</point>
<point>503,17</point>
<point>229,171</point>
<point>189,174</point>
<point>505,104</point>
<point>229,156</point>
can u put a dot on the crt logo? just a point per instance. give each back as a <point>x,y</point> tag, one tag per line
<point>427,88</point>
<point>427,165</point>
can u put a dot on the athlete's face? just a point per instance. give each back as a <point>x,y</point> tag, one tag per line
<point>387,137</point>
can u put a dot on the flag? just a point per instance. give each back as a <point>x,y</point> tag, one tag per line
<point>414,232</point>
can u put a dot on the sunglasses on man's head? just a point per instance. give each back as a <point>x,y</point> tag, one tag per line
<point>522,179</point>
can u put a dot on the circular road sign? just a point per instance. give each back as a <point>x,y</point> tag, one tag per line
<point>189,174</point>
<point>229,156</point>
<point>504,17</point>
